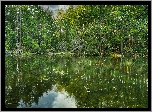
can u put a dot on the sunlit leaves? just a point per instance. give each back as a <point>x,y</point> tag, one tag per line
<point>107,24</point>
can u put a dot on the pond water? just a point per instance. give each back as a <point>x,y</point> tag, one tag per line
<point>75,82</point>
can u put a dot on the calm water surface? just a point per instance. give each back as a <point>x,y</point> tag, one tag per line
<point>75,82</point>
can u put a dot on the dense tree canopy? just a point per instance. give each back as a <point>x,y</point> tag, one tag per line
<point>84,30</point>
<point>103,31</point>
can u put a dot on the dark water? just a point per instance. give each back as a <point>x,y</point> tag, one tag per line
<point>75,82</point>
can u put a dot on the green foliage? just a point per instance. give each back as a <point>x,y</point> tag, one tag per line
<point>94,29</point>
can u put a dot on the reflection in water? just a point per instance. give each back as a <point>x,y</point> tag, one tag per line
<point>72,82</point>
<point>52,99</point>
<point>61,101</point>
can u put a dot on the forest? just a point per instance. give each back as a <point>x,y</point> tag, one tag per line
<point>85,30</point>
<point>97,55</point>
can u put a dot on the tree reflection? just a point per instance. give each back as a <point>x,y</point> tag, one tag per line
<point>104,83</point>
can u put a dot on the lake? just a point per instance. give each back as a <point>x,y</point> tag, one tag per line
<point>43,81</point>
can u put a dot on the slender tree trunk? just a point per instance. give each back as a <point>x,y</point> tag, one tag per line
<point>121,46</point>
<point>100,38</point>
